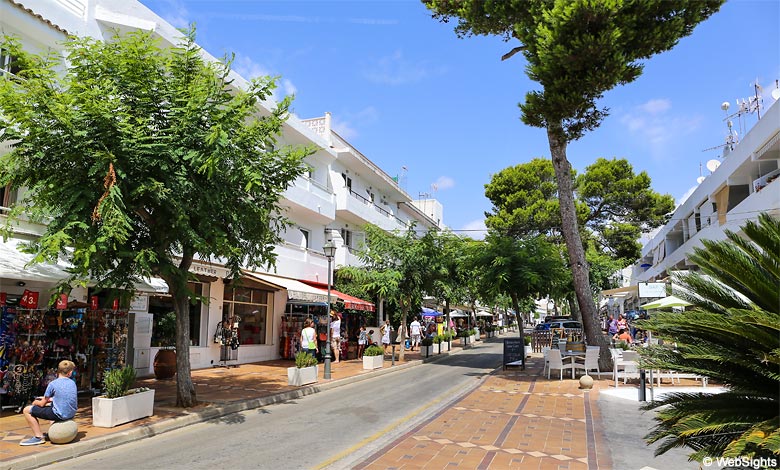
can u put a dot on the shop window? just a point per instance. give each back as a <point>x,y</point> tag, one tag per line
<point>253,307</point>
<point>161,305</point>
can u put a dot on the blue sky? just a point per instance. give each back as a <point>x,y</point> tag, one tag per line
<point>406,92</point>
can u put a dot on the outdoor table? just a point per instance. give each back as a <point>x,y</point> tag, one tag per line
<point>572,356</point>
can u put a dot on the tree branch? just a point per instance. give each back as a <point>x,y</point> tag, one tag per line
<point>514,51</point>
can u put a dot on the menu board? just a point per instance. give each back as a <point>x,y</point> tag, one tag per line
<point>514,350</point>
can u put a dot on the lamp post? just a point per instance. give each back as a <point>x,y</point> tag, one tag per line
<point>330,250</point>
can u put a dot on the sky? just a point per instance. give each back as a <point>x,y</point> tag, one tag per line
<point>407,93</point>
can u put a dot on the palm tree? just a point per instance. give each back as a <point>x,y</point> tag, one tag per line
<point>732,336</point>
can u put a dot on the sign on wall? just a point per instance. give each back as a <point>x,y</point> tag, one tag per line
<point>652,290</point>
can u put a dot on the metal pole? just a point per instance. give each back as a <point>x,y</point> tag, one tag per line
<point>642,385</point>
<point>326,375</point>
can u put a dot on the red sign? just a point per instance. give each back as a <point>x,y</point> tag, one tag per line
<point>29,299</point>
<point>93,302</point>
<point>62,302</point>
<point>115,305</point>
<point>2,298</point>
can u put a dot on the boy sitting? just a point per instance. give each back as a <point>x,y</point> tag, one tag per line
<point>63,396</point>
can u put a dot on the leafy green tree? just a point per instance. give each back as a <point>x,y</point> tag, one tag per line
<point>450,275</point>
<point>142,159</point>
<point>397,267</point>
<point>732,336</point>
<point>521,269</point>
<point>614,205</point>
<point>576,50</point>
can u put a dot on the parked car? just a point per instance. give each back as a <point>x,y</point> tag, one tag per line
<point>558,324</point>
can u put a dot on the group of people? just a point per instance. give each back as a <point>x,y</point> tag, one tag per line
<point>620,330</point>
<point>414,333</point>
<point>309,342</point>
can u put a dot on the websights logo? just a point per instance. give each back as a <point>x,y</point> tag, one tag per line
<point>740,462</point>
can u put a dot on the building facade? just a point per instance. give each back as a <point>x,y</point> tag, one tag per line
<point>342,192</point>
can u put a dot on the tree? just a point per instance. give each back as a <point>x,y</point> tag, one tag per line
<point>614,205</point>
<point>396,267</point>
<point>449,274</point>
<point>733,336</point>
<point>576,50</point>
<point>151,159</point>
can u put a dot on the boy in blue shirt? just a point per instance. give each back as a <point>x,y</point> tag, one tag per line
<point>63,396</point>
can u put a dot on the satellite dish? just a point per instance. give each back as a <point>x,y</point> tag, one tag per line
<point>713,165</point>
<point>725,106</point>
<point>700,179</point>
<point>776,93</point>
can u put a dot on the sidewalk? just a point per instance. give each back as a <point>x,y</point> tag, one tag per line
<point>220,391</point>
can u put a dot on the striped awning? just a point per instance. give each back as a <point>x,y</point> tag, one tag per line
<point>296,290</point>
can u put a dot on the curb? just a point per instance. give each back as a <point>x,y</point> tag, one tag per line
<point>77,449</point>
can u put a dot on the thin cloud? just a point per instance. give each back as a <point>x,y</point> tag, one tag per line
<point>301,19</point>
<point>655,123</point>
<point>396,70</point>
<point>249,69</point>
<point>346,125</point>
<point>475,229</point>
<point>685,196</point>
<point>175,13</point>
<point>444,182</point>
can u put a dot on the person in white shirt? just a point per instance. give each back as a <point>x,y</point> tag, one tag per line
<point>416,331</point>
<point>335,334</point>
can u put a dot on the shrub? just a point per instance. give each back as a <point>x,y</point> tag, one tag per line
<point>427,341</point>
<point>527,340</point>
<point>304,359</point>
<point>438,339</point>
<point>117,382</point>
<point>373,350</point>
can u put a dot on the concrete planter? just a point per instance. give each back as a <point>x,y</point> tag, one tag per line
<point>373,362</point>
<point>445,346</point>
<point>426,351</point>
<point>304,376</point>
<point>110,412</point>
<point>471,339</point>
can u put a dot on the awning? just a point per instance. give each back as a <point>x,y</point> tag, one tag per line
<point>483,313</point>
<point>13,262</point>
<point>621,291</point>
<point>350,301</point>
<point>666,302</point>
<point>296,290</point>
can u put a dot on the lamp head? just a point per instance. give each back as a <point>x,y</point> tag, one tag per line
<point>329,249</point>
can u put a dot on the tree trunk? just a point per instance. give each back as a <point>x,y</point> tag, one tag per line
<point>177,285</point>
<point>571,234</point>
<point>515,305</point>
<point>404,310</point>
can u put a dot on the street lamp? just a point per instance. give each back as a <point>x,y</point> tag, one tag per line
<point>330,250</point>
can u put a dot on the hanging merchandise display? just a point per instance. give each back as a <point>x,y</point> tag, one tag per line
<point>292,324</point>
<point>34,340</point>
<point>227,337</point>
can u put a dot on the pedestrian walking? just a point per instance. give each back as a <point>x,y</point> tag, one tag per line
<point>362,340</point>
<point>416,330</point>
<point>403,334</point>
<point>309,338</point>
<point>335,334</point>
<point>386,329</point>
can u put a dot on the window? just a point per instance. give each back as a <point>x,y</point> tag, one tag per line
<point>347,181</point>
<point>346,236</point>
<point>160,305</point>
<point>8,63</point>
<point>305,241</point>
<point>7,196</point>
<point>253,306</point>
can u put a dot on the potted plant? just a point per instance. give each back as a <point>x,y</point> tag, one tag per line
<point>464,337</point>
<point>305,370</point>
<point>373,357</point>
<point>445,341</point>
<point>165,337</point>
<point>472,333</point>
<point>119,403</point>
<point>437,340</point>
<point>426,346</point>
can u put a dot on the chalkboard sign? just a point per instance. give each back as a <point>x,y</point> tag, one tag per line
<point>514,350</point>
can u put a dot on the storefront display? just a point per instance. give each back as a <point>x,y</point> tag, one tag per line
<point>292,324</point>
<point>33,341</point>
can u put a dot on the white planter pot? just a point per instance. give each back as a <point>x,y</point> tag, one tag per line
<point>445,346</point>
<point>437,348</point>
<point>426,351</point>
<point>373,362</point>
<point>471,339</point>
<point>304,376</point>
<point>110,412</point>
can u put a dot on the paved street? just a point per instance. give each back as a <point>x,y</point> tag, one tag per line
<point>448,414</point>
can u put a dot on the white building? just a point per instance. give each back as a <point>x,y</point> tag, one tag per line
<point>343,191</point>
<point>744,184</point>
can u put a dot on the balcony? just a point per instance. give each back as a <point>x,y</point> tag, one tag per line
<point>359,210</point>
<point>310,200</point>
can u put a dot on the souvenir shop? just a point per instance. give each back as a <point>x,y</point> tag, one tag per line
<point>354,313</point>
<point>34,338</point>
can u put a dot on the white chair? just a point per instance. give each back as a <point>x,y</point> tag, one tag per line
<point>554,361</point>
<point>591,360</point>
<point>545,352</point>
<point>630,364</point>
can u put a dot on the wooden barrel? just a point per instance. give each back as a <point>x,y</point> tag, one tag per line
<point>165,364</point>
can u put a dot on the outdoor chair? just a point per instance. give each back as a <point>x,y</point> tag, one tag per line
<point>630,363</point>
<point>555,361</point>
<point>545,352</point>
<point>591,361</point>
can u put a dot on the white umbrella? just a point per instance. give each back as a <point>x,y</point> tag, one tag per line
<point>457,314</point>
<point>483,313</point>
<point>671,301</point>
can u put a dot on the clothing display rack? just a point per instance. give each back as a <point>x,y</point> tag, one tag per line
<point>227,337</point>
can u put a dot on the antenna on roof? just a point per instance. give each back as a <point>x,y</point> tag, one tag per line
<point>732,138</point>
<point>776,91</point>
<point>701,178</point>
